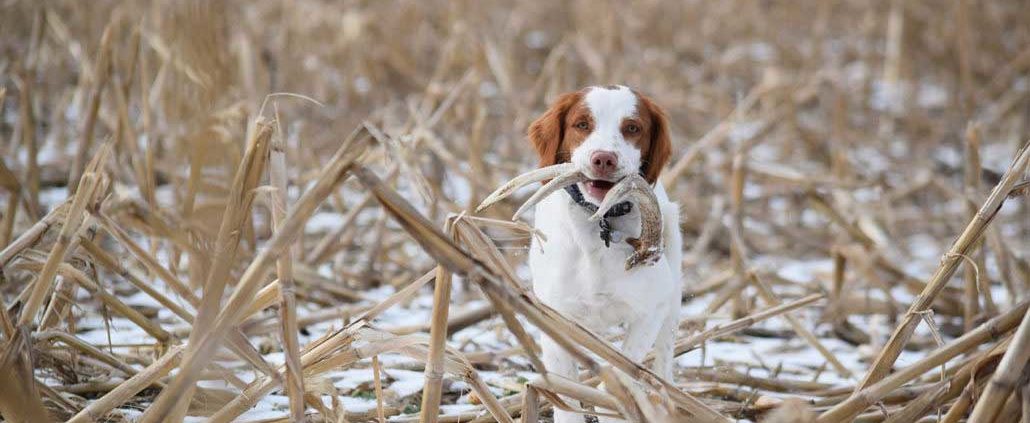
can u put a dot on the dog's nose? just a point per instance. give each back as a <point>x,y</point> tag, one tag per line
<point>603,163</point>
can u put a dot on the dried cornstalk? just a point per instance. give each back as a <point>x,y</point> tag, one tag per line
<point>71,273</point>
<point>949,388</point>
<point>9,181</point>
<point>92,183</point>
<point>975,283</point>
<point>104,259</point>
<point>864,397</point>
<point>565,332</point>
<point>378,383</point>
<point>769,297</point>
<point>554,384</point>
<point>18,398</point>
<point>27,118</point>
<point>101,74</point>
<point>324,248</point>
<point>96,410</point>
<point>284,271</point>
<point>684,345</point>
<point>480,245</point>
<point>1005,378</point>
<point>234,216</point>
<point>949,263</point>
<point>317,350</point>
<point>530,405</point>
<point>433,386</point>
<point>195,358</point>
<point>237,341</point>
<point>85,348</point>
<point>887,190</point>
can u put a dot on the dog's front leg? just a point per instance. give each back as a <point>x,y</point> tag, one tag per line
<point>640,338</point>
<point>561,364</point>
<point>664,346</point>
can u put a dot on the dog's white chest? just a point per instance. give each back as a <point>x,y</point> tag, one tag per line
<point>574,272</point>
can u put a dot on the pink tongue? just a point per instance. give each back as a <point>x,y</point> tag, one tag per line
<point>598,189</point>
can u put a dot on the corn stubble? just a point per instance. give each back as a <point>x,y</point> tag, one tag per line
<point>183,152</point>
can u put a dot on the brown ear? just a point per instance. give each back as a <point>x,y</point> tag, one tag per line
<point>660,150</point>
<point>547,131</point>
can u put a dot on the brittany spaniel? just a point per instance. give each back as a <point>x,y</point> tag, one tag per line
<point>577,267</point>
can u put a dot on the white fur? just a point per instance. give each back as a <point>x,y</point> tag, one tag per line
<point>609,107</point>
<point>575,273</point>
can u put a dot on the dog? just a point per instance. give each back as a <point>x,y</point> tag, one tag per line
<point>577,266</point>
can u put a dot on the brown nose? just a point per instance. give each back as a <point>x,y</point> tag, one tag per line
<point>603,163</point>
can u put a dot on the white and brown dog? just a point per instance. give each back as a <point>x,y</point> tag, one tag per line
<point>578,266</point>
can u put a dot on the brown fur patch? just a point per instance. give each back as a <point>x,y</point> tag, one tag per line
<point>557,132</point>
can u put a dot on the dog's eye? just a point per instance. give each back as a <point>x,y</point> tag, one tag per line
<point>632,128</point>
<point>584,125</point>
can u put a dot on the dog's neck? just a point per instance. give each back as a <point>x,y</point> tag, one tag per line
<point>618,210</point>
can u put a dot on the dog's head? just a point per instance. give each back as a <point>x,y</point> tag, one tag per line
<point>607,132</point>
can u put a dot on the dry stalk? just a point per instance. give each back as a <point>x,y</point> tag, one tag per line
<point>975,283</point>
<point>949,263</point>
<point>1006,377</point>
<point>236,213</point>
<point>1012,410</point>
<point>66,240</point>
<point>101,74</point>
<point>104,259</point>
<point>71,273</point>
<point>433,386</point>
<point>376,370</point>
<point>530,405</point>
<point>453,132</point>
<point>149,261</point>
<point>551,385</point>
<point>18,398</point>
<point>3,108</point>
<point>325,247</point>
<point>194,359</point>
<point>770,298</point>
<point>567,333</point>
<point>738,246</point>
<point>869,395</point>
<point>96,410</point>
<point>685,345</point>
<point>284,271</point>
<point>85,348</point>
<point>455,323</point>
<point>317,350</point>
<point>947,389</point>
<point>773,384</point>
<point>479,244</point>
<point>9,181</point>
<point>237,341</point>
<point>27,118</point>
<point>713,137</point>
<point>6,322</point>
<point>960,407</point>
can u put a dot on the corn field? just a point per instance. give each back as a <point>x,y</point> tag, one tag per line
<point>264,211</point>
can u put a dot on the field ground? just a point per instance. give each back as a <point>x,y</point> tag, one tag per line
<point>236,193</point>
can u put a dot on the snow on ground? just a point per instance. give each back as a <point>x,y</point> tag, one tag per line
<point>785,359</point>
<point>790,359</point>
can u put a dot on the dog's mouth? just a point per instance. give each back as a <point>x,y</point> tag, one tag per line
<point>598,188</point>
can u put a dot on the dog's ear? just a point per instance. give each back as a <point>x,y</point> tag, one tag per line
<point>660,150</point>
<point>547,131</point>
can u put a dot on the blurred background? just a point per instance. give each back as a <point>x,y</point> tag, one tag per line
<point>878,90</point>
<point>827,132</point>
